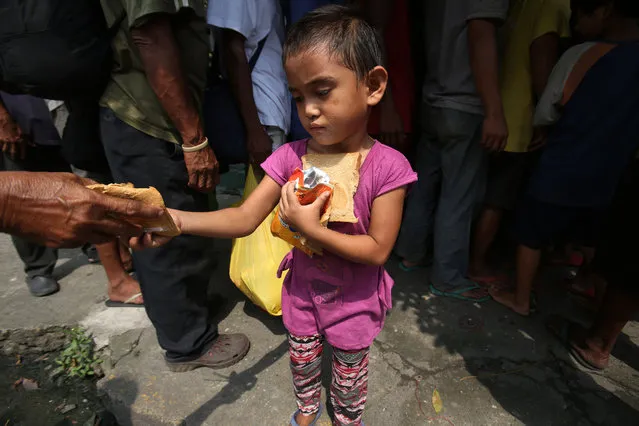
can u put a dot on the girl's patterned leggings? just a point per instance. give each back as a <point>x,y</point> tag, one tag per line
<point>349,386</point>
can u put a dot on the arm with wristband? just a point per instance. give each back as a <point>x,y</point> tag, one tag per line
<point>158,50</point>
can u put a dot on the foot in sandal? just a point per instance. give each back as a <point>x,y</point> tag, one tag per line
<point>471,293</point>
<point>583,351</point>
<point>125,293</point>
<point>300,419</point>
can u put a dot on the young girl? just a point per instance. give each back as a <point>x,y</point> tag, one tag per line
<point>333,64</point>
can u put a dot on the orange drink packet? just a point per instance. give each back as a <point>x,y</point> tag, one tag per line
<point>309,184</point>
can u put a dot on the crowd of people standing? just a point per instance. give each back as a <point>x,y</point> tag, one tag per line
<point>526,124</point>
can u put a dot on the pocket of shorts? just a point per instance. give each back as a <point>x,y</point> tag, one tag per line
<point>324,293</point>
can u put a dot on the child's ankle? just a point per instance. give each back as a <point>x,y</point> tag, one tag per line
<point>304,419</point>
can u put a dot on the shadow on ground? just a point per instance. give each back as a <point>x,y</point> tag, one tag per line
<point>237,385</point>
<point>525,370</point>
<point>73,259</point>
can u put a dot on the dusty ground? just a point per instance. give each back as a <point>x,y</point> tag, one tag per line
<point>55,402</point>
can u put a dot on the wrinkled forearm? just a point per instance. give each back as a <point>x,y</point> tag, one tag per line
<point>160,57</point>
<point>6,191</point>
<point>27,196</point>
<point>24,195</point>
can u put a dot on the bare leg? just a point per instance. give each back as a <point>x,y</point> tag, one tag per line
<point>121,285</point>
<point>617,309</point>
<point>527,265</point>
<point>487,228</point>
<point>593,347</point>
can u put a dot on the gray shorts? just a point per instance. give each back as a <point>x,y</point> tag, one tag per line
<point>508,173</point>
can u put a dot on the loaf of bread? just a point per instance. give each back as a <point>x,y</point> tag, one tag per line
<point>162,226</point>
<point>343,171</point>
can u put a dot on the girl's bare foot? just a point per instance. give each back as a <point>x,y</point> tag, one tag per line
<point>124,289</point>
<point>507,299</point>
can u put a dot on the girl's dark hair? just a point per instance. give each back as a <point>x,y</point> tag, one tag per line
<point>627,8</point>
<point>342,32</point>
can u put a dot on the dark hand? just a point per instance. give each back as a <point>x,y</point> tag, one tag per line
<point>540,136</point>
<point>13,142</point>
<point>57,210</point>
<point>203,169</point>
<point>259,146</point>
<point>494,133</point>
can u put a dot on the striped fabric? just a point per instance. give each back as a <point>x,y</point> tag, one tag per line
<point>306,366</point>
<point>349,386</point>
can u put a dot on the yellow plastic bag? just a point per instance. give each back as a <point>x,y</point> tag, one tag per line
<point>255,260</point>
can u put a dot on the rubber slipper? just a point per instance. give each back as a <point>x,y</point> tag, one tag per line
<point>459,294</point>
<point>560,328</point>
<point>319,414</point>
<point>126,304</point>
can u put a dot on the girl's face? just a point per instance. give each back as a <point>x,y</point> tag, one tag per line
<point>332,103</point>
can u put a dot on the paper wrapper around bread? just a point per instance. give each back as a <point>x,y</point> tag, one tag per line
<point>163,226</point>
<point>340,175</point>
